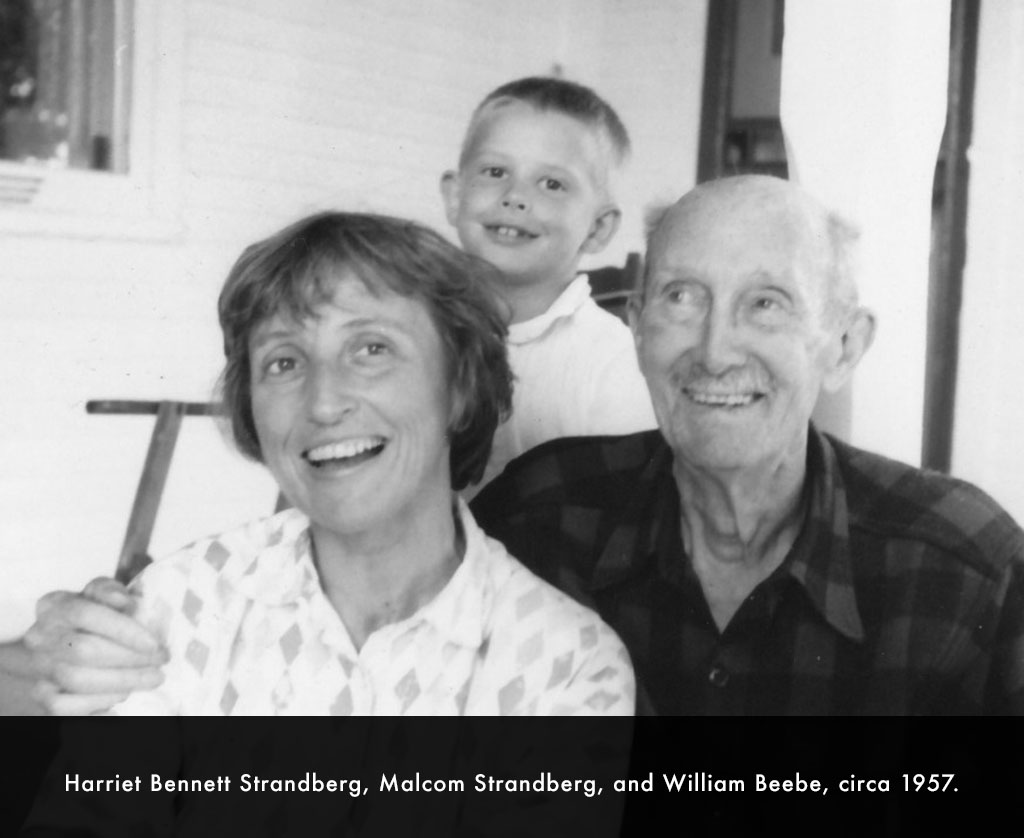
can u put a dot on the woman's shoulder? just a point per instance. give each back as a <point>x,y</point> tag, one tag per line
<point>232,554</point>
<point>526,608</point>
<point>554,655</point>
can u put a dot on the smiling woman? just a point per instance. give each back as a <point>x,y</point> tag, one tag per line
<point>366,368</point>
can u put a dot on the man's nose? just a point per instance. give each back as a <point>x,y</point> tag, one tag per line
<point>330,394</point>
<point>720,342</point>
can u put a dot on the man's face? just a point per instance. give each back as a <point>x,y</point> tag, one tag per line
<point>529,194</point>
<point>731,335</point>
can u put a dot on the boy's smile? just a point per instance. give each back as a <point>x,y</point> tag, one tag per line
<point>531,196</point>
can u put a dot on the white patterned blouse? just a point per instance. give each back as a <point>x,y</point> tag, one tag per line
<point>251,632</point>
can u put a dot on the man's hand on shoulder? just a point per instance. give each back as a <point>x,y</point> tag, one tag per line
<point>89,651</point>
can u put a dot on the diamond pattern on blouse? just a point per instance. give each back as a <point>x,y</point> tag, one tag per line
<point>561,669</point>
<point>283,692</point>
<point>291,642</point>
<point>197,654</point>
<point>530,650</point>
<point>588,636</point>
<point>510,695</point>
<point>342,705</point>
<point>407,690</point>
<point>191,605</point>
<point>529,602</point>
<point>604,674</point>
<point>216,555</point>
<point>238,646</point>
<point>601,700</point>
<point>228,699</point>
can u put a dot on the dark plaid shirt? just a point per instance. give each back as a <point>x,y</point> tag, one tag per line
<point>903,593</point>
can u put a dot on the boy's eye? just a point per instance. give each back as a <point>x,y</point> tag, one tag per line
<point>493,171</point>
<point>553,184</point>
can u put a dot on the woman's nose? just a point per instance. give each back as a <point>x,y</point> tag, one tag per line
<point>329,395</point>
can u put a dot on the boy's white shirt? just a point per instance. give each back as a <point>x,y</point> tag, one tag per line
<point>576,375</point>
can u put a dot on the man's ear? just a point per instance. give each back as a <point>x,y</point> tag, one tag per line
<point>451,194</point>
<point>602,230</point>
<point>634,306</point>
<point>855,340</point>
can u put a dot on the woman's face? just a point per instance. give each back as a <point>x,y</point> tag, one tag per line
<point>351,406</point>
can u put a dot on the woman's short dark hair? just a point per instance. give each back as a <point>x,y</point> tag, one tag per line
<point>296,269</point>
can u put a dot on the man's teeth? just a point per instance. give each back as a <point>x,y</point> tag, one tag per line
<point>342,450</point>
<point>722,399</point>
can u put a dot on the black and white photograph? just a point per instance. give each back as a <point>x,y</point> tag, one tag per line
<point>647,368</point>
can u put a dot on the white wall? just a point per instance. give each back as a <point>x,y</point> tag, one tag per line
<point>285,107</point>
<point>988,447</point>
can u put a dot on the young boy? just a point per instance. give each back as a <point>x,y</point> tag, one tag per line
<point>533,194</point>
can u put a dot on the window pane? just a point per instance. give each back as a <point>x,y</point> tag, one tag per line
<point>64,75</point>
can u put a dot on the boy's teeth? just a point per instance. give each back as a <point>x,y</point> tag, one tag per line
<point>511,232</point>
<point>341,450</point>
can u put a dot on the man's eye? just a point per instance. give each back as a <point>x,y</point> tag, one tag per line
<point>680,295</point>
<point>769,306</point>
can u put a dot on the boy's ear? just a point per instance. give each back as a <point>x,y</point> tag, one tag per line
<point>856,339</point>
<point>451,194</point>
<point>602,230</point>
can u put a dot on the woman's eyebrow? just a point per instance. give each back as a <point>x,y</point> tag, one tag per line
<point>261,337</point>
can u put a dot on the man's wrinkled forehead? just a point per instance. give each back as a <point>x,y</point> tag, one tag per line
<point>725,220</point>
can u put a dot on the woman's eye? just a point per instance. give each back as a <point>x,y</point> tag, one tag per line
<point>373,349</point>
<point>281,366</point>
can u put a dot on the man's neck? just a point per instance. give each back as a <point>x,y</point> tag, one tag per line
<point>738,528</point>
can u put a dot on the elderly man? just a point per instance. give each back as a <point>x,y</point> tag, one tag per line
<point>751,564</point>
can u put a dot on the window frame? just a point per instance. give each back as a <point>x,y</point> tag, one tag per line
<point>143,203</point>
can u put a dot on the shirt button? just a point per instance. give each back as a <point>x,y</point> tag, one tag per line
<point>718,676</point>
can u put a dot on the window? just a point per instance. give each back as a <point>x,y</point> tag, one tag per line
<point>88,116</point>
<point>66,77</point>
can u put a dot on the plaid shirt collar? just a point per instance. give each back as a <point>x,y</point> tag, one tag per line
<point>819,559</point>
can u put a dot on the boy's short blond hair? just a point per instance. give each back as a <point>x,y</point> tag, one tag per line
<point>547,93</point>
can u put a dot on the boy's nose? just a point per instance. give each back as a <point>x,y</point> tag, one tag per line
<point>515,196</point>
<point>513,202</point>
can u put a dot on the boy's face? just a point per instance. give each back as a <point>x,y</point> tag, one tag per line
<point>529,196</point>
